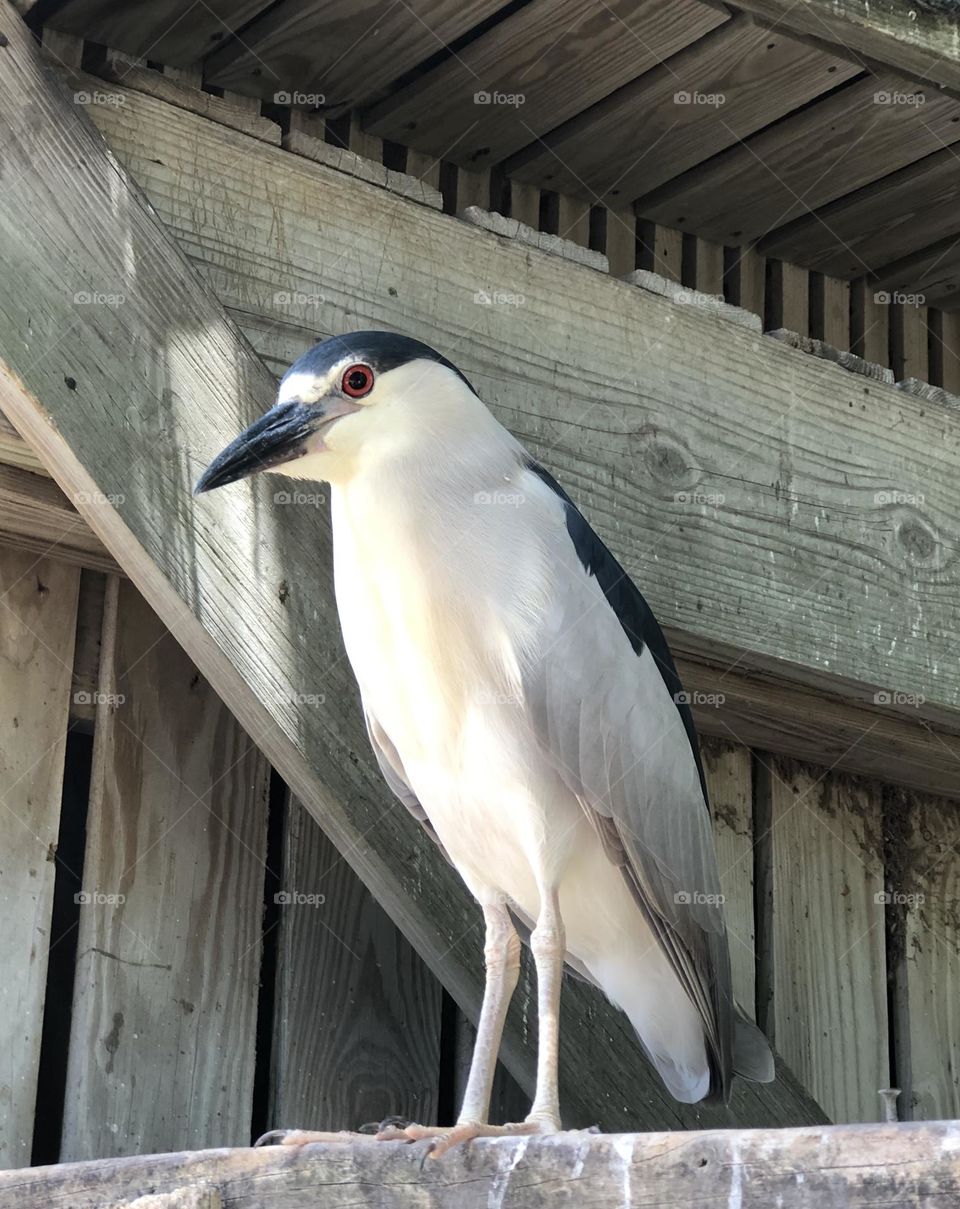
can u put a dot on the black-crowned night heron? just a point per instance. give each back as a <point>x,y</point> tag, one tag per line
<point>522,703</point>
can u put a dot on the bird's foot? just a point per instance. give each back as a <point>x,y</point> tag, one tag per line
<point>441,1137</point>
<point>444,1137</point>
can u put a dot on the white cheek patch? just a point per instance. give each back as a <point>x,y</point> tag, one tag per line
<point>302,388</point>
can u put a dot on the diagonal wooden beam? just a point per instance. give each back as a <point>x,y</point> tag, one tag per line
<point>124,393</point>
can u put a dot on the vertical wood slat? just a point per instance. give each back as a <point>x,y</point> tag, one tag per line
<point>728,772</point>
<point>573,221</point>
<point>829,962</point>
<point>621,242</point>
<point>424,167</point>
<point>473,189</point>
<point>356,1011</point>
<point>950,351</point>
<point>908,341</point>
<point>38,617</point>
<point>165,1002</point>
<point>748,275</point>
<point>830,310</point>
<point>662,250</point>
<point>928,886</point>
<point>525,204</point>
<point>709,270</point>
<point>787,299</point>
<point>870,323</point>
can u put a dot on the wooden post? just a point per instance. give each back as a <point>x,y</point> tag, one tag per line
<point>38,618</point>
<point>356,1012</point>
<point>164,1016</point>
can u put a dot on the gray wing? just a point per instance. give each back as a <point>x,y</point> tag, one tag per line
<point>602,711</point>
<point>393,773</point>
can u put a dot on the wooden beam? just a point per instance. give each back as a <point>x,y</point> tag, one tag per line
<point>38,619</point>
<point>168,965</point>
<point>856,1166</point>
<point>141,395</point>
<point>922,40</point>
<point>36,515</point>
<point>823,525</point>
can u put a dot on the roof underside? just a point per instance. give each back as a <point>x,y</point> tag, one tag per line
<point>771,127</point>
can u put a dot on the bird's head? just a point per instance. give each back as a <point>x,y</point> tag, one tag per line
<point>346,405</point>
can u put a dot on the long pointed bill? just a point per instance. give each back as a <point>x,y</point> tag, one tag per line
<point>279,436</point>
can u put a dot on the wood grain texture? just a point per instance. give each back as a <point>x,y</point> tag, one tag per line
<point>164,1015</point>
<point>345,52</point>
<point>886,221</point>
<point>357,1013</point>
<point>787,298</point>
<point>38,619</point>
<point>179,32</point>
<point>829,969</point>
<point>870,322</point>
<point>909,356</point>
<point>661,250</point>
<point>822,453</point>
<point>921,40</point>
<point>35,515</point>
<point>728,771</point>
<point>933,272</point>
<point>839,143</point>
<point>14,450</point>
<point>223,572</point>
<point>857,1167</point>
<point>560,56</point>
<point>717,91</point>
<point>925,887</point>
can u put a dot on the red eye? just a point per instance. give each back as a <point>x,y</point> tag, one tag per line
<point>357,381</point>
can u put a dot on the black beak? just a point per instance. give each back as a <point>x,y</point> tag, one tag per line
<point>277,437</point>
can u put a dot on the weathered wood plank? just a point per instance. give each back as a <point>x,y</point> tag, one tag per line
<point>824,151</point>
<point>925,886</point>
<point>787,298</point>
<point>728,770</point>
<point>933,273</point>
<point>829,968</point>
<point>854,1166</point>
<point>921,40</point>
<point>720,89</point>
<point>230,576</point>
<point>35,515</point>
<point>516,81</point>
<point>884,222</point>
<point>836,472</point>
<point>870,322</point>
<point>909,356</point>
<point>38,619</point>
<point>164,1014</point>
<point>661,250</point>
<point>14,450</point>
<point>168,31</point>
<point>356,1013</point>
<point>339,54</point>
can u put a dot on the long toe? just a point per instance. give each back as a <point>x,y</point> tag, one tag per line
<point>303,1137</point>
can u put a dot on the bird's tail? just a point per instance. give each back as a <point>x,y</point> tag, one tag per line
<point>752,1056</point>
